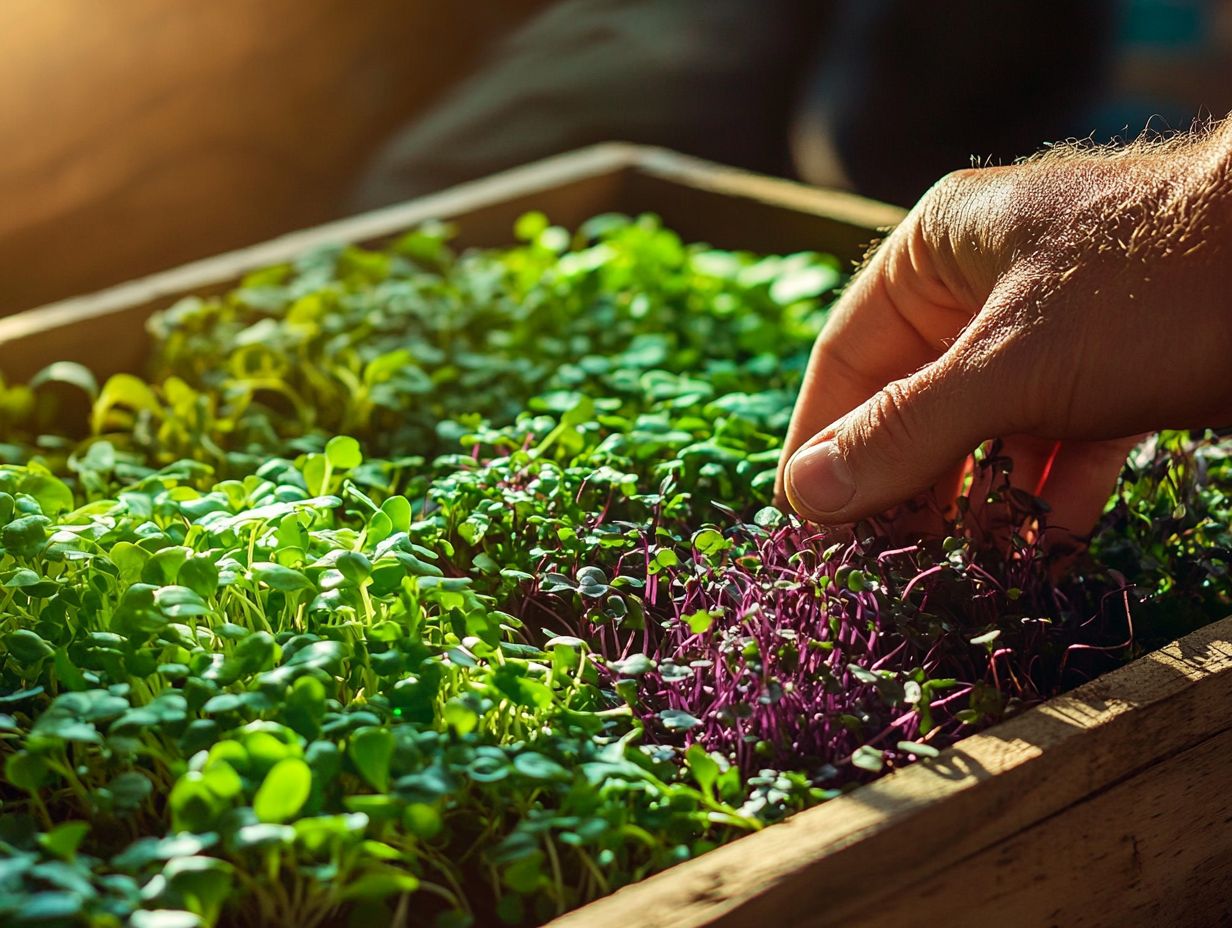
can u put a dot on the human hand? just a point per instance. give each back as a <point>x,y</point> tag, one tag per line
<point>1067,305</point>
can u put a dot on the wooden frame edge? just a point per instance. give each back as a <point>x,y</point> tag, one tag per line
<point>221,269</point>
<point>840,205</point>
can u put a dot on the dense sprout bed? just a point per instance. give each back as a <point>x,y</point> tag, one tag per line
<point>425,588</point>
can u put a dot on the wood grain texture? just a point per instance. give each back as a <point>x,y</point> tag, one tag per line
<point>138,134</point>
<point>1152,850</point>
<point>105,331</point>
<point>887,846</point>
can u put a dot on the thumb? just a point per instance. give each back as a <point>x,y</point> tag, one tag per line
<point>895,445</point>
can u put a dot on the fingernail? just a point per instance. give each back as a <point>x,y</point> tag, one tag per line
<point>819,480</point>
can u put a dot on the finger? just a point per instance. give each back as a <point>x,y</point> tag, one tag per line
<point>1080,482</point>
<point>995,514</point>
<point>930,514</point>
<point>896,317</point>
<point>899,442</point>
<point>1074,479</point>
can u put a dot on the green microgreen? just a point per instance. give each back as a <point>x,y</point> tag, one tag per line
<point>423,587</point>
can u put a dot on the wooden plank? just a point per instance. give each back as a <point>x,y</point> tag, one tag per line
<point>1155,849</point>
<point>840,863</point>
<point>729,208</point>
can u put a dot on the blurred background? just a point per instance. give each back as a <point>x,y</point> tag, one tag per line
<point>140,134</point>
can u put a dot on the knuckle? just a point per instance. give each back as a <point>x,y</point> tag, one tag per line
<point>951,187</point>
<point>959,179</point>
<point>949,227</point>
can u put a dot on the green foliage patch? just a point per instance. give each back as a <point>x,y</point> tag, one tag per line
<point>417,587</point>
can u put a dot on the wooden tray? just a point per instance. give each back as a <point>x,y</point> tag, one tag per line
<point>1110,806</point>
